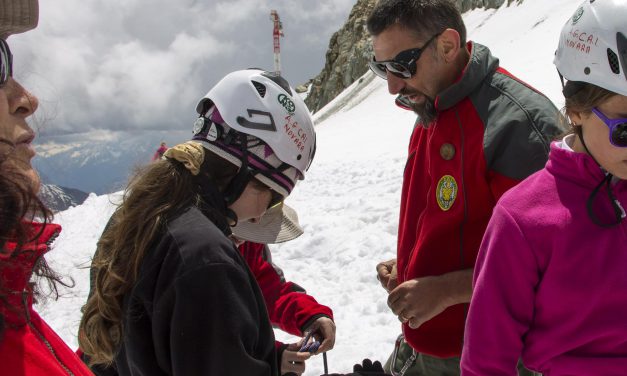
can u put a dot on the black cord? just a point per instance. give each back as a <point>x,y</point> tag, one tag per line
<point>619,213</point>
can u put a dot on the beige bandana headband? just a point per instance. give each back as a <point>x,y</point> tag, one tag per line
<point>191,154</point>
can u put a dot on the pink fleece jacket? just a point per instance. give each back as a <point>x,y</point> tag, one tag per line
<point>550,286</point>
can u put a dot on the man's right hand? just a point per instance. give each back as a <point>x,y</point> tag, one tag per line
<point>386,274</point>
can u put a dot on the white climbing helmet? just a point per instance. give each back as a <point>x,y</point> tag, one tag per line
<point>593,45</point>
<point>262,104</point>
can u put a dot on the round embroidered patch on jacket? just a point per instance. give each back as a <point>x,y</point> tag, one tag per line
<point>446,193</point>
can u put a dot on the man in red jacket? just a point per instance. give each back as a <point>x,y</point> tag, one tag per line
<point>479,132</point>
<point>289,306</point>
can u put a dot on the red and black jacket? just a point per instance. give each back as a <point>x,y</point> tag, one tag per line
<point>491,131</point>
<point>289,306</point>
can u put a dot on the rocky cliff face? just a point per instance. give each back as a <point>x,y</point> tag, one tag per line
<point>350,49</point>
<point>347,57</point>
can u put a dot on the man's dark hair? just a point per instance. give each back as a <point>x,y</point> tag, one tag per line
<point>423,17</point>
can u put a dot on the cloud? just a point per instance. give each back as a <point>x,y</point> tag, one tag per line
<point>143,64</point>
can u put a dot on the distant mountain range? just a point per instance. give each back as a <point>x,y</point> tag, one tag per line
<point>100,162</point>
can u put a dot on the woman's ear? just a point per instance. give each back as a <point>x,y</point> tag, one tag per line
<point>575,117</point>
<point>449,44</point>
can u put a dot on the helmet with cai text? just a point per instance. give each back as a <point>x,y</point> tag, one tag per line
<point>593,45</point>
<point>254,118</point>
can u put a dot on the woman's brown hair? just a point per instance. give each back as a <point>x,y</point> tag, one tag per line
<point>19,205</point>
<point>154,195</point>
<point>585,97</point>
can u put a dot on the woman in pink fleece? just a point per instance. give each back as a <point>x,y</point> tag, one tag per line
<point>550,283</point>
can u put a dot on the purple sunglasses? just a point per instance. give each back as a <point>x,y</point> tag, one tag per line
<point>618,128</point>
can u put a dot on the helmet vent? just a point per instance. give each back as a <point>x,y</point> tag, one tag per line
<point>613,60</point>
<point>279,81</point>
<point>261,88</point>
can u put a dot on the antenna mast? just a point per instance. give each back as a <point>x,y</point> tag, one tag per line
<point>277,32</point>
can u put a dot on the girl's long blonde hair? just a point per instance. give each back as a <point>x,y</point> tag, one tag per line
<point>155,194</point>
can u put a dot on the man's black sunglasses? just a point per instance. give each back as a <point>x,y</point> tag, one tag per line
<point>403,65</point>
<point>6,62</point>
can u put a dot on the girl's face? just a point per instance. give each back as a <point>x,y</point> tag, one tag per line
<point>253,202</point>
<point>597,135</point>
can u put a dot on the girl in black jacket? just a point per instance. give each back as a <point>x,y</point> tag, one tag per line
<point>171,294</point>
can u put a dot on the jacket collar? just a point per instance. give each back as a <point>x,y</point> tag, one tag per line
<point>213,205</point>
<point>48,233</point>
<point>16,269</point>
<point>480,65</point>
<point>579,168</point>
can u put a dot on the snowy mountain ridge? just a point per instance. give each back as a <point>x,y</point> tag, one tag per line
<point>58,198</point>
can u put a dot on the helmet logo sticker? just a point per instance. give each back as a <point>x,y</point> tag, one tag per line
<point>446,192</point>
<point>256,125</point>
<point>577,15</point>
<point>287,103</point>
<point>199,125</point>
<point>295,133</point>
<point>213,133</point>
<point>581,41</point>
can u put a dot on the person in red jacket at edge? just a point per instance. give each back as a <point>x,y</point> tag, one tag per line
<point>28,346</point>
<point>479,132</point>
<point>289,307</point>
<point>159,153</point>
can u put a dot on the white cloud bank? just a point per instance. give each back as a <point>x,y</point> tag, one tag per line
<point>142,64</point>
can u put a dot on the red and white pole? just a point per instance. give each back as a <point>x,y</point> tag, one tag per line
<point>277,32</point>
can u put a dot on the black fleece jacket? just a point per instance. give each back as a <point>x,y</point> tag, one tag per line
<point>195,308</point>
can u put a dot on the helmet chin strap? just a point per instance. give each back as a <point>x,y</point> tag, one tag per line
<point>618,210</point>
<point>210,194</point>
<point>212,204</point>
<point>239,182</point>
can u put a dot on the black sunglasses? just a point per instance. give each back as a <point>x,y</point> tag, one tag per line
<point>403,65</point>
<point>6,62</point>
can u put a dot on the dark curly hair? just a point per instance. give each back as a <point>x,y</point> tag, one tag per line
<point>422,17</point>
<point>19,205</point>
